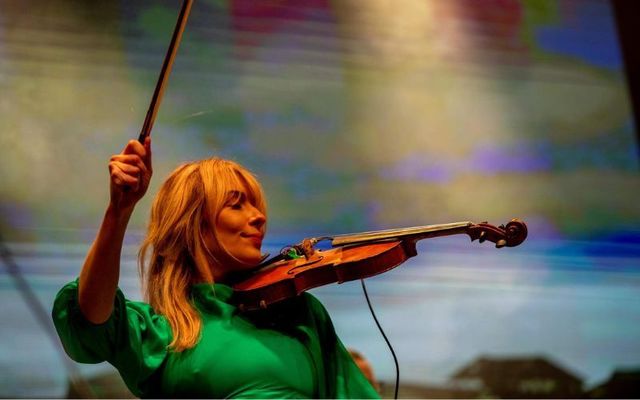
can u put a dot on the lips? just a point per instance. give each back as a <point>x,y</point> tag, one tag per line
<point>256,238</point>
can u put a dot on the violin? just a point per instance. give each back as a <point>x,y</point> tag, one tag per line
<point>301,267</point>
<point>355,256</point>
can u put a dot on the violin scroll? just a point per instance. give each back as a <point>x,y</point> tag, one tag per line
<point>509,235</point>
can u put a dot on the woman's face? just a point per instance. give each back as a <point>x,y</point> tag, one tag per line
<point>239,228</point>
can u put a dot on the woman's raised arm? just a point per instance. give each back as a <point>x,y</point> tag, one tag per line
<point>130,174</point>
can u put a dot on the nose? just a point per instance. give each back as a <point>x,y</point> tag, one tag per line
<point>257,218</point>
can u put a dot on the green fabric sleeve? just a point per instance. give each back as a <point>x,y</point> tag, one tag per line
<point>134,339</point>
<point>344,379</point>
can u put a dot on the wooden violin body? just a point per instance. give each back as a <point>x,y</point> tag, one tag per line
<point>356,256</point>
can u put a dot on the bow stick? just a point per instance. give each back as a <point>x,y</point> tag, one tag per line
<point>166,70</point>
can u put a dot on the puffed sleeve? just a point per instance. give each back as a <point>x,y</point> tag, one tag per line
<point>134,339</point>
<point>343,379</point>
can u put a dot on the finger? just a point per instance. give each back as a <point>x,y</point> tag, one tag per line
<point>130,159</point>
<point>135,147</point>
<point>147,157</point>
<point>123,183</point>
<point>122,179</point>
<point>129,169</point>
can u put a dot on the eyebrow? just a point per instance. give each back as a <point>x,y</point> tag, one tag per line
<point>236,195</point>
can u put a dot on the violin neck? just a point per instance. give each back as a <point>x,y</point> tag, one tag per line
<point>413,234</point>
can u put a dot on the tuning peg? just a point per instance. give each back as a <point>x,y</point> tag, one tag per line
<point>483,236</point>
<point>501,243</point>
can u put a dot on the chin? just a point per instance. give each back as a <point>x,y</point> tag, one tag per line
<point>251,262</point>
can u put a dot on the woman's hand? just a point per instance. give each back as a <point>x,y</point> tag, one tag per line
<point>130,173</point>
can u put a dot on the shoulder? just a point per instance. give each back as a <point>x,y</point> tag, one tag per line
<point>315,307</point>
<point>312,301</point>
<point>137,313</point>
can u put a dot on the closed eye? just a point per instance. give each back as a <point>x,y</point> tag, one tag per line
<point>235,199</point>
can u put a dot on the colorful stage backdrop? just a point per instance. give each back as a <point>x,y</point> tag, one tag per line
<point>356,115</point>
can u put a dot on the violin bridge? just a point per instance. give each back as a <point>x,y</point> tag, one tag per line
<point>307,247</point>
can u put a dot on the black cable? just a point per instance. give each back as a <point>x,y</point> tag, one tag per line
<point>393,353</point>
<point>82,387</point>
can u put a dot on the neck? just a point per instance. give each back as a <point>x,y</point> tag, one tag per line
<point>233,273</point>
<point>415,233</point>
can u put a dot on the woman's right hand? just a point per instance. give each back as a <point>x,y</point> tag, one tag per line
<point>130,173</point>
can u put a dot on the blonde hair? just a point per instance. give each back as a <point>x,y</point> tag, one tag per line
<point>193,194</point>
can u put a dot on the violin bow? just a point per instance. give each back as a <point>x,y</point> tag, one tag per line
<point>165,71</point>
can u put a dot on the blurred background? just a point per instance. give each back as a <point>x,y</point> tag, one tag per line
<point>355,115</point>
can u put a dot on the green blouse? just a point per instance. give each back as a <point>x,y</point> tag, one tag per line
<point>287,351</point>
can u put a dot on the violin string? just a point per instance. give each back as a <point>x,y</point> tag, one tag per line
<point>393,353</point>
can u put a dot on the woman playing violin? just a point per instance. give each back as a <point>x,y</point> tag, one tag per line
<point>189,339</point>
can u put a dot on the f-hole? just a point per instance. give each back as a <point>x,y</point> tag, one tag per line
<point>292,270</point>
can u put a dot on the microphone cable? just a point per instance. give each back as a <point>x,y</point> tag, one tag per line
<point>393,353</point>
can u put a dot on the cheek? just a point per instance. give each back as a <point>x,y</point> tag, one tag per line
<point>228,224</point>
<point>227,230</point>
<point>223,222</point>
